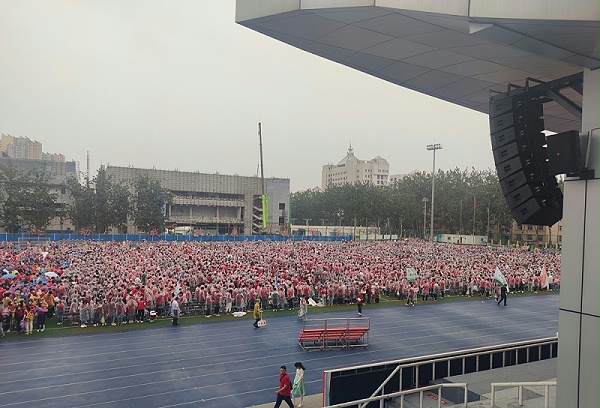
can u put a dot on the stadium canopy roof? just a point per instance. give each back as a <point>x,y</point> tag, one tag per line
<point>454,50</point>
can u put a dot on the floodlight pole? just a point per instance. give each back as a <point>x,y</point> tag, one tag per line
<point>434,147</point>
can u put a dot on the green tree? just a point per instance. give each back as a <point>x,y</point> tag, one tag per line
<point>81,210</point>
<point>149,200</point>
<point>111,203</point>
<point>98,208</point>
<point>12,184</point>
<point>399,206</point>
<point>120,199</point>
<point>102,201</point>
<point>38,200</point>
<point>27,199</point>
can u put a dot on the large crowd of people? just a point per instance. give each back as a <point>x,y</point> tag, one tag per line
<point>113,283</point>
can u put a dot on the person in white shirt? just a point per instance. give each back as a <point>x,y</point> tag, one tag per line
<point>175,310</point>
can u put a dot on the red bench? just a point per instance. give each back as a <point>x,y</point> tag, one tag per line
<point>333,337</point>
<point>355,336</point>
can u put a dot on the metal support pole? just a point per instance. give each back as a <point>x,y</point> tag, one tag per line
<point>425,217</point>
<point>433,147</point>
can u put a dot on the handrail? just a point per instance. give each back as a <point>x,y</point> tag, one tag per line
<point>484,353</point>
<point>462,353</point>
<point>431,361</point>
<point>520,385</point>
<point>401,394</point>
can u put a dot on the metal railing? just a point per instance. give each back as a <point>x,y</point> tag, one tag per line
<point>421,391</point>
<point>519,386</point>
<point>411,373</point>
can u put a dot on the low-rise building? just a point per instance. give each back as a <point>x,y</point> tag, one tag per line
<point>216,203</point>
<point>537,235</point>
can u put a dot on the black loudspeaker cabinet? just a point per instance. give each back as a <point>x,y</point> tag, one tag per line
<point>564,153</point>
<point>521,158</point>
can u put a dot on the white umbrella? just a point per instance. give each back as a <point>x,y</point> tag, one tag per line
<point>51,274</point>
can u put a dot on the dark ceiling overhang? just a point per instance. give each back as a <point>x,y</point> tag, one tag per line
<point>459,58</point>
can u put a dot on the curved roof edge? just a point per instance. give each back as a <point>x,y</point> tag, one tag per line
<point>581,10</point>
<point>457,50</point>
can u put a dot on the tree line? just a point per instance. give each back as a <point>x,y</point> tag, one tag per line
<point>28,201</point>
<point>466,202</point>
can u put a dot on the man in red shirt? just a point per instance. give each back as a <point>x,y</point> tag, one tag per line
<point>285,388</point>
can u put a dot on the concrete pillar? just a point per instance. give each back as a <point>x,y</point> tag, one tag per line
<point>578,316</point>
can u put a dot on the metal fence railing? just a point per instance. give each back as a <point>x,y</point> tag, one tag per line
<point>381,399</point>
<point>341,385</point>
<point>519,386</point>
<point>164,237</point>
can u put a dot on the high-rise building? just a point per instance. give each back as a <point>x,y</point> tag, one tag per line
<point>352,170</point>
<point>21,147</point>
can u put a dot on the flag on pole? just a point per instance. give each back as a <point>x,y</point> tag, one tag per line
<point>474,203</point>
<point>411,274</point>
<point>499,277</point>
<point>178,286</point>
<point>544,284</point>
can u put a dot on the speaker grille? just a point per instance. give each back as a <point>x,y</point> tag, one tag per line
<point>521,159</point>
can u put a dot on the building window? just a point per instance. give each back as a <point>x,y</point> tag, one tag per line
<point>529,237</point>
<point>282,206</point>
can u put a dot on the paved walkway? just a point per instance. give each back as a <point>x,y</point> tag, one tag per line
<point>310,401</point>
<point>479,383</point>
<point>231,364</point>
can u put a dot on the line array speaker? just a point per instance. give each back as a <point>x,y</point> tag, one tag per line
<point>521,158</point>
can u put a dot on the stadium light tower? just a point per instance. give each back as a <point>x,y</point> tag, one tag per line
<point>434,147</point>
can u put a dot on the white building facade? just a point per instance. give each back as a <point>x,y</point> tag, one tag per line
<point>351,170</point>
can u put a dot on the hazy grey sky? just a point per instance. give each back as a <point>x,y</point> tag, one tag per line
<point>180,85</point>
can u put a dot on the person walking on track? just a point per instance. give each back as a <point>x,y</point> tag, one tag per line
<point>359,302</point>
<point>285,388</point>
<point>257,312</point>
<point>502,295</point>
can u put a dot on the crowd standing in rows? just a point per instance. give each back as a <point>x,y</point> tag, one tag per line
<point>113,283</point>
